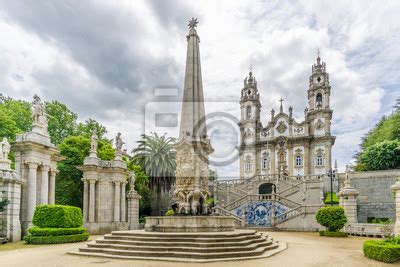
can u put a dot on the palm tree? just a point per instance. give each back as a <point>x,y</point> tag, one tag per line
<point>157,158</point>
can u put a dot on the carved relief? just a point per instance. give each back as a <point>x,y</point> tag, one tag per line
<point>281,128</point>
<point>319,125</point>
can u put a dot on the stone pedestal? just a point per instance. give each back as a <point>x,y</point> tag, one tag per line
<point>133,210</point>
<point>348,200</point>
<point>10,189</point>
<point>190,224</point>
<point>396,190</point>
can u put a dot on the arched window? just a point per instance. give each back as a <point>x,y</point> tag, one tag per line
<point>247,166</point>
<point>320,161</point>
<point>248,112</point>
<point>318,100</point>
<point>266,189</point>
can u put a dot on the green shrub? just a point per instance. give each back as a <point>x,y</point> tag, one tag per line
<point>57,216</point>
<point>332,234</point>
<point>37,231</point>
<point>381,221</point>
<point>209,200</point>
<point>335,199</point>
<point>381,250</point>
<point>332,218</point>
<point>170,213</point>
<point>58,239</point>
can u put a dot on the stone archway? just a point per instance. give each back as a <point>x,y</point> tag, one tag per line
<point>266,189</point>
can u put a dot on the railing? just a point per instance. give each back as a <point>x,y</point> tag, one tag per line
<point>239,221</point>
<point>292,213</point>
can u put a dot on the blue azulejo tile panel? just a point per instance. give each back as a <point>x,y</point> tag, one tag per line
<point>259,213</point>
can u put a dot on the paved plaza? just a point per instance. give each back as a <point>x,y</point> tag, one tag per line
<point>304,249</point>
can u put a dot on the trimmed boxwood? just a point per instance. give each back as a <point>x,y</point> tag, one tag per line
<point>333,234</point>
<point>382,250</point>
<point>332,218</point>
<point>57,216</point>
<point>37,231</point>
<point>58,239</point>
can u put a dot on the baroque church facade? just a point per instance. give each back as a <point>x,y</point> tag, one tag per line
<point>284,145</point>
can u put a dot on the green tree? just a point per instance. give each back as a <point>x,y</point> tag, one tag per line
<point>68,181</point>
<point>19,111</point>
<point>62,121</point>
<point>8,127</point>
<point>156,157</point>
<point>91,126</point>
<point>381,156</point>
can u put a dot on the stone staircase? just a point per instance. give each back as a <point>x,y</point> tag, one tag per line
<point>187,247</point>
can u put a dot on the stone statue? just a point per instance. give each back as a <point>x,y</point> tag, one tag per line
<point>131,179</point>
<point>119,143</point>
<point>38,113</point>
<point>5,149</point>
<point>93,146</point>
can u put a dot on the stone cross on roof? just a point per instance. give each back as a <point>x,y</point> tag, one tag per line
<point>281,108</point>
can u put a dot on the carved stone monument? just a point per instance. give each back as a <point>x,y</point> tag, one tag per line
<point>104,186</point>
<point>10,191</point>
<point>36,160</point>
<point>348,199</point>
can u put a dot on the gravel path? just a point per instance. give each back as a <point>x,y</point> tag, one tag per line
<point>304,249</point>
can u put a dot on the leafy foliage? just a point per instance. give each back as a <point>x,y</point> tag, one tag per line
<point>170,213</point>
<point>386,251</point>
<point>332,234</point>
<point>3,204</point>
<point>37,231</point>
<point>335,199</point>
<point>377,153</point>
<point>141,186</point>
<point>62,121</point>
<point>332,218</point>
<point>57,239</point>
<point>68,181</point>
<point>57,216</point>
<point>381,156</point>
<point>91,126</point>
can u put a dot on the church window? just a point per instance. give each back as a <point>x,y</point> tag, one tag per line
<point>247,166</point>
<point>248,112</point>
<point>320,161</point>
<point>318,100</point>
<point>299,161</point>
<point>264,163</point>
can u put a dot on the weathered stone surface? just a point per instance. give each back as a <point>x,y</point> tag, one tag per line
<point>190,224</point>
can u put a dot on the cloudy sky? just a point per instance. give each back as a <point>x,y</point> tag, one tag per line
<point>105,59</point>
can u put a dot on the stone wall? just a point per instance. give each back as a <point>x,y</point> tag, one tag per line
<point>375,197</point>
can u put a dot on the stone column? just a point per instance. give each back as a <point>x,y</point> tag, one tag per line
<point>291,159</point>
<point>44,186</point>
<point>396,190</point>
<point>52,187</point>
<point>31,191</point>
<point>348,200</point>
<point>92,200</point>
<point>123,202</point>
<point>133,210</point>
<point>85,199</point>
<point>117,195</point>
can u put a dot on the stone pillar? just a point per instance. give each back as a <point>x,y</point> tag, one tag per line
<point>32,179</point>
<point>307,159</point>
<point>396,190</point>
<point>291,159</point>
<point>123,202</point>
<point>85,199</point>
<point>348,200</point>
<point>52,187</point>
<point>133,209</point>
<point>92,199</point>
<point>44,185</point>
<point>117,203</point>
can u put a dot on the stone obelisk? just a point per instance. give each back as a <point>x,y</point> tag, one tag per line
<point>193,146</point>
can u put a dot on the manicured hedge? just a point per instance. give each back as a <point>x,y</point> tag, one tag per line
<point>381,250</point>
<point>332,234</point>
<point>37,231</point>
<point>331,217</point>
<point>335,199</point>
<point>57,216</point>
<point>58,239</point>
<point>170,213</point>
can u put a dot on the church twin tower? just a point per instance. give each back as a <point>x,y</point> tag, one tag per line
<point>285,146</point>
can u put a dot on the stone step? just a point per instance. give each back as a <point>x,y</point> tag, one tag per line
<point>140,233</point>
<point>183,239</point>
<point>117,240</point>
<point>188,249</point>
<point>176,254</point>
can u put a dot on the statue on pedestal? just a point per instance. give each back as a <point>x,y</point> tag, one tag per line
<point>39,116</point>
<point>118,145</point>
<point>93,146</point>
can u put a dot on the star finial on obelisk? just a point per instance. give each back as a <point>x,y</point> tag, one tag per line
<point>193,23</point>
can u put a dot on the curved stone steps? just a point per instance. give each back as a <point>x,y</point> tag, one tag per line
<point>187,247</point>
<point>177,244</point>
<point>190,249</point>
<point>184,239</point>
